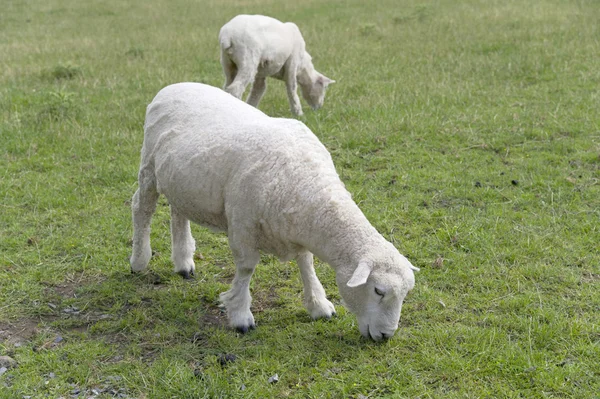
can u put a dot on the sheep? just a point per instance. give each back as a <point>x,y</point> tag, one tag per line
<point>272,186</point>
<point>254,47</point>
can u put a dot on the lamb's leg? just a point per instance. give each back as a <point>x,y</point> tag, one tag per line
<point>247,66</point>
<point>315,300</point>
<point>183,244</point>
<point>292,87</point>
<point>143,205</point>
<point>229,69</point>
<point>237,299</point>
<point>258,90</point>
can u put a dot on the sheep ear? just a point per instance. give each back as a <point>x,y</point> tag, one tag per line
<point>325,81</point>
<point>411,267</point>
<point>360,275</point>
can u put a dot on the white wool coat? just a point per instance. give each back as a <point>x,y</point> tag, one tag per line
<point>232,168</point>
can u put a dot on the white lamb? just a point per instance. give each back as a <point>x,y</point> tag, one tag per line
<point>254,47</point>
<point>272,186</point>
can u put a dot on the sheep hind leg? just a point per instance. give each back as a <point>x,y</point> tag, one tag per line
<point>229,69</point>
<point>258,90</point>
<point>237,299</point>
<point>143,205</point>
<point>246,71</point>
<point>315,299</point>
<point>183,245</point>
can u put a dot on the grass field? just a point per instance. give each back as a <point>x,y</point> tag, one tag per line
<point>467,131</point>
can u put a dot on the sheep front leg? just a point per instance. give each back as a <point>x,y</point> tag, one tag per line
<point>183,245</point>
<point>315,300</point>
<point>237,299</point>
<point>292,87</point>
<point>143,205</point>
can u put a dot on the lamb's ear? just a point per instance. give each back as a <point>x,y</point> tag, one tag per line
<point>324,80</point>
<point>360,275</point>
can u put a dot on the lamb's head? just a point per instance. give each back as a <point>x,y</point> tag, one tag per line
<point>312,83</point>
<point>374,292</point>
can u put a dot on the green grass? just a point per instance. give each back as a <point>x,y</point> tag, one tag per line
<point>468,132</point>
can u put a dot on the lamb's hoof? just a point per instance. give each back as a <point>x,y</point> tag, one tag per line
<point>245,329</point>
<point>186,274</point>
<point>134,271</point>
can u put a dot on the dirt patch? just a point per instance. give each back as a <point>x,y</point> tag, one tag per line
<point>73,281</point>
<point>214,317</point>
<point>20,331</point>
<point>262,300</point>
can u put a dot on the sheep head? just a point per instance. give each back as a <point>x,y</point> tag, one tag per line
<point>375,290</point>
<point>312,83</point>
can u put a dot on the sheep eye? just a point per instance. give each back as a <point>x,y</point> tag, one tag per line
<point>379,292</point>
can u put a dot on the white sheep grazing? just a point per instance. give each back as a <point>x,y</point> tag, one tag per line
<point>254,47</point>
<point>272,186</point>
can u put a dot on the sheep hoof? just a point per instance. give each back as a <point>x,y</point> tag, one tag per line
<point>245,329</point>
<point>186,274</point>
<point>329,317</point>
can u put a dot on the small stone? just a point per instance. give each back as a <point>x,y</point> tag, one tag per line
<point>51,375</point>
<point>58,339</point>
<point>71,310</point>
<point>51,305</point>
<point>243,387</point>
<point>8,362</point>
<point>273,379</point>
<point>3,370</point>
<point>514,182</point>
<point>198,337</point>
<point>226,358</point>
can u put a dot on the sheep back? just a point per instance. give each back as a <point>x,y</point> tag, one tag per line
<point>228,166</point>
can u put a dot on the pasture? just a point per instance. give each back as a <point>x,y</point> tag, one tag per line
<point>467,131</point>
